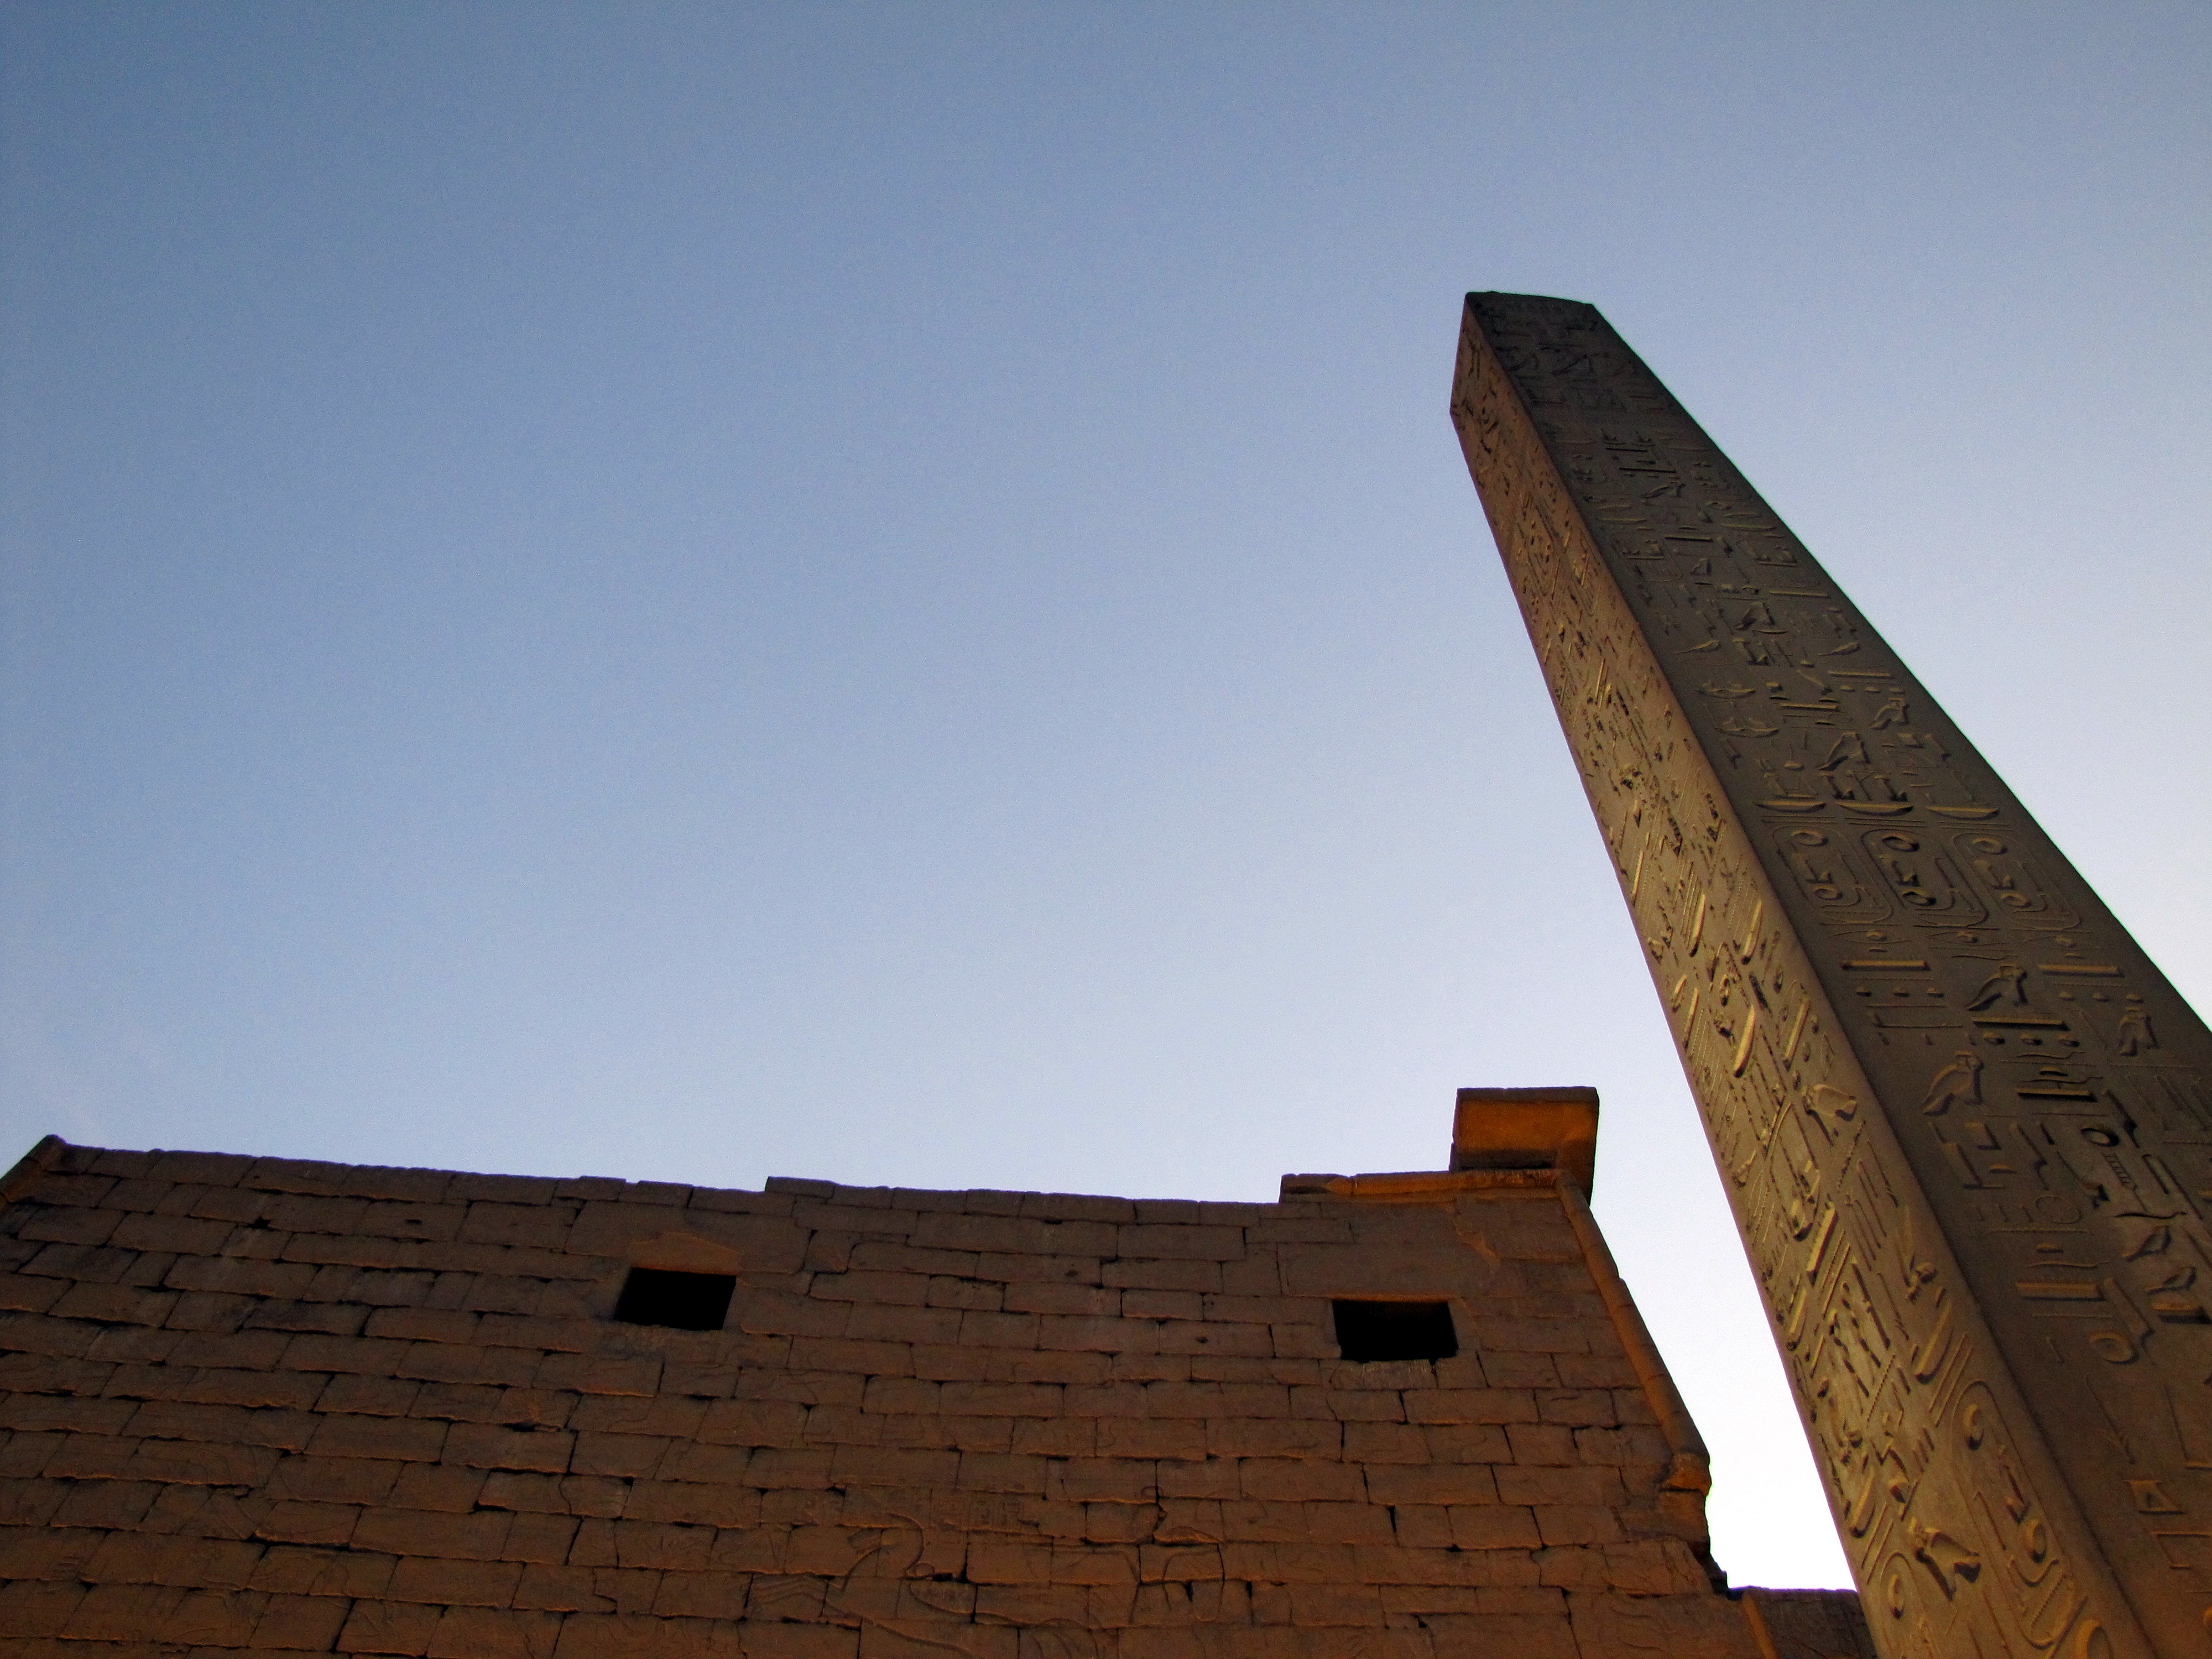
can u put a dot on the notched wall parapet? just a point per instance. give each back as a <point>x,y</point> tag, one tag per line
<point>277,1405</point>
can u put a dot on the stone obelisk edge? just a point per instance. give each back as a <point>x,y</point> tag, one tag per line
<point>1951,1328</point>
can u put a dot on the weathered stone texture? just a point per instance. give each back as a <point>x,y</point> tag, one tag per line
<point>1965,1122</point>
<point>302,1408</point>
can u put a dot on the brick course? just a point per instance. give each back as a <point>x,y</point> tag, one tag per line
<point>275,1406</point>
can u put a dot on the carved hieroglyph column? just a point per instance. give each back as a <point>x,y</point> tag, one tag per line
<point>1965,1122</point>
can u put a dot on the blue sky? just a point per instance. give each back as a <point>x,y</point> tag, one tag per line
<point>886,591</point>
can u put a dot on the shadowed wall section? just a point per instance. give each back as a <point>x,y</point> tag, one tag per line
<point>280,1406</point>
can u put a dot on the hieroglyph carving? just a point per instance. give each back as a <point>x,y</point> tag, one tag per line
<point>1965,1124</point>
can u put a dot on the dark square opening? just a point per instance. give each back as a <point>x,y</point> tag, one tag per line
<point>1396,1330</point>
<point>683,1301</point>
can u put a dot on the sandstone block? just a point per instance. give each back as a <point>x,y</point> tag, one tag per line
<point>397,1437</point>
<point>66,1457</point>
<point>546,1226</point>
<point>1055,1437</point>
<point>621,1456</point>
<point>1546,1443</point>
<point>1002,1472</point>
<point>63,1554</point>
<point>334,1479</point>
<point>917,1639</point>
<point>1082,1367</point>
<point>1214,1478</point>
<point>1350,1405</point>
<point>896,1255</point>
<point>33,1607</point>
<point>993,1561</point>
<point>287,1521</point>
<point>702,1595</point>
<point>1385,1442</point>
<point>519,1331</point>
<point>637,1376</point>
<point>41,1373</point>
<point>1151,1437</point>
<point>124,1612</point>
<point>773,1467</point>
<point>1032,1604</point>
<point>715,1201</point>
<point>591,1494</point>
<point>1315,1606</point>
<point>869,1358</point>
<point>1013,1400</point>
<point>1659,1566</point>
<point>1022,1268</point>
<point>533,1191</point>
<point>485,1633</point>
<point>910,1324</point>
<point>31,1413</point>
<point>114,1304</point>
<point>946,1292</point>
<point>665,1415</point>
<point>451,1362</point>
<point>620,1636</point>
<point>20,1293</point>
<point>1423,1527</point>
<point>1014,1235</point>
<point>761,1640</point>
<point>90,1264</point>
<point>1433,1483</point>
<point>1302,1480</point>
<point>1137,1399</point>
<point>628,1590</point>
<point>793,1596</point>
<point>1475,1636</point>
<point>290,1569</point>
<point>440,1487</point>
<point>424,1324</point>
<point>74,1225</point>
<point>395,1628</point>
<point>978,1328</point>
<point>480,1536</point>
<point>754,1422</point>
<point>1693,1627</point>
<point>1470,1443</point>
<point>1091,1479</point>
<point>190,1463</point>
<point>1190,1336</point>
<point>482,1445</point>
<point>326,1318</point>
<point>1577,1524</point>
<point>540,1538</point>
<point>464,1584</point>
<point>30,1502</point>
<point>1470,1406</point>
<point>303,1623</point>
<point>560,1588</point>
<point>1199,1273</point>
<point>877,1288</point>
<point>1494,1526</point>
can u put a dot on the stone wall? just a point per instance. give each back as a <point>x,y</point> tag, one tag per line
<point>254,1403</point>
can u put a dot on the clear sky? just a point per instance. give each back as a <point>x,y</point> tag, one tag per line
<point>886,591</point>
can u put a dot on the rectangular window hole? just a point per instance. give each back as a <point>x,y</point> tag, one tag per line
<point>1396,1330</point>
<point>683,1301</point>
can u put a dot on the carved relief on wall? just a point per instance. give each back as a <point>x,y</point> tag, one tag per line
<point>1967,1128</point>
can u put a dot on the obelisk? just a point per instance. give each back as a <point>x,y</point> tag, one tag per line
<point>1965,1123</point>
